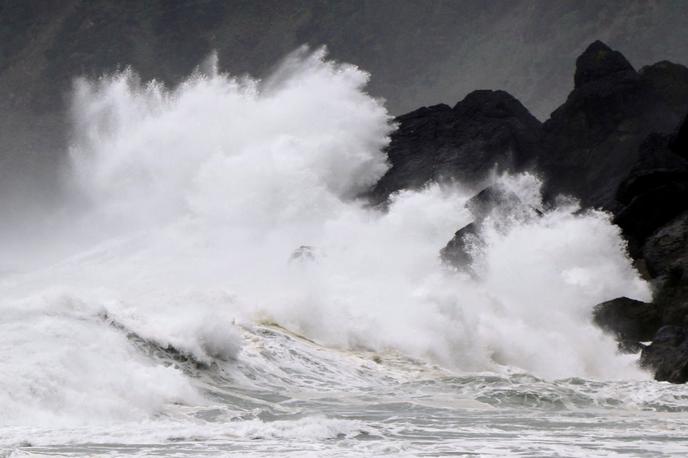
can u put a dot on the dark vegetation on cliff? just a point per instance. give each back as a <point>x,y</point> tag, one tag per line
<point>619,143</point>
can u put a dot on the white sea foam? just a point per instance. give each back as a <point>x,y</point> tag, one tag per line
<point>191,204</point>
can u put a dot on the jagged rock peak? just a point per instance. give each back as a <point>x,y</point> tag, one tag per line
<point>486,131</point>
<point>494,104</point>
<point>599,61</point>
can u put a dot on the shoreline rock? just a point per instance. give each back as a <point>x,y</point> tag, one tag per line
<point>667,356</point>
<point>613,144</point>
<point>628,319</point>
<point>486,131</point>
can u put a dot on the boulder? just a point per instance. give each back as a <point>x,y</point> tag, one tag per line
<point>485,131</point>
<point>667,356</point>
<point>628,319</point>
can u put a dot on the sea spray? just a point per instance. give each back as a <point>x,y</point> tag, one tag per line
<point>189,204</point>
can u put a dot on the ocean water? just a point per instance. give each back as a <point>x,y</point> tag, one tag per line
<point>287,396</point>
<point>214,285</point>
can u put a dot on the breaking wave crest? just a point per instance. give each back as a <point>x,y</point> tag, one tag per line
<point>202,210</point>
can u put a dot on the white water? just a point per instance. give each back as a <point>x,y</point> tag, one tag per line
<point>187,209</point>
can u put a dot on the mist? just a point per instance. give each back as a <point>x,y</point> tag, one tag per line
<point>230,201</point>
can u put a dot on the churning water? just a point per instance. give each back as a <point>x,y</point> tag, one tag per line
<point>222,289</point>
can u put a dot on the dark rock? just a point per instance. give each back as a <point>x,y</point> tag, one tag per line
<point>674,305</point>
<point>668,354</point>
<point>656,165</point>
<point>670,335</point>
<point>666,258</point>
<point>483,203</point>
<point>666,251</point>
<point>628,319</point>
<point>654,192</point>
<point>484,131</point>
<point>630,346</point>
<point>491,201</point>
<point>679,144</point>
<point>457,252</point>
<point>586,149</point>
<point>667,81</point>
<point>649,211</point>
<point>593,139</point>
<point>599,62</point>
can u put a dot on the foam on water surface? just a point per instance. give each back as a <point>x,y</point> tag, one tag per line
<point>200,213</point>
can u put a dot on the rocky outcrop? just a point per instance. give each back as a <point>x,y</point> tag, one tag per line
<point>614,144</point>
<point>654,220</point>
<point>654,192</point>
<point>599,63</point>
<point>666,251</point>
<point>666,256</point>
<point>631,321</point>
<point>586,149</point>
<point>458,251</point>
<point>667,356</point>
<point>495,201</point>
<point>679,144</point>
<point>487,130</point>
<point>592,140</point>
